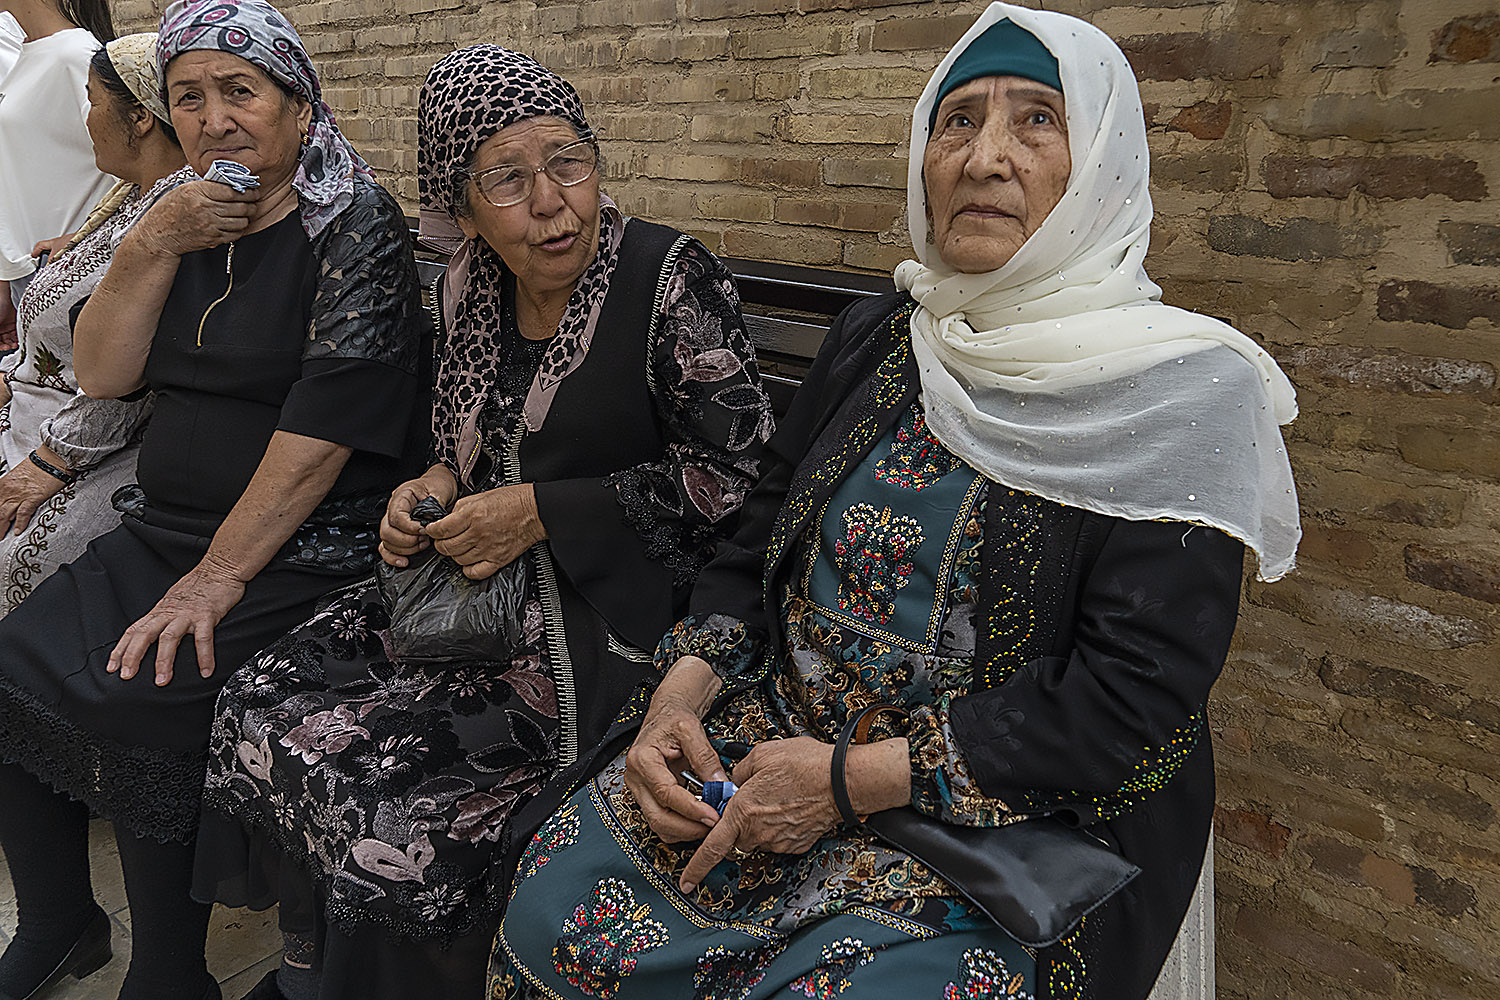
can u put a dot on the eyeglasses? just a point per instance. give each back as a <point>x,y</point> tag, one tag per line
<point>510,184</point>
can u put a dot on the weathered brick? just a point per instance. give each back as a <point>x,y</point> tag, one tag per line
<point>903,34</point>
<point>722,87</point>
<point>786,246</point>
<point>737,207</point>
<point>855,216</point>
<point>878,129</point>
<point>1198,172</point>
<point>773,43</point>
<point>1461,572</point>
<point>811,6</point>
<point>1379,177</point>
<point>1371,616</point>
<point>1465,451</point>
<point>1204,120</point>
<point>1390,372</point>
<point>1446,305</point>
<point>1251,829</point>
<point>1342,547</point>
<point>1413,114</point>
<point>885,81</point>
<point>687,168</point>
<point>1475,38</point>
<point>1355,864</point>
<point>881,173</point>
<point>704,10</point>
<point>1475,243</point>
<point>779,173</point>
<point>1315,950</point>
<point>1231,55</point>
<point>881,257</point>
<point>1406,690</point>
<point>751,129</point>
<point>1449,896</point>
<point>1294,239</point>
<point>1358,47</point>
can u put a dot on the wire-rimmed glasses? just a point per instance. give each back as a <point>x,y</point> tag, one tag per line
<point>507,184</point>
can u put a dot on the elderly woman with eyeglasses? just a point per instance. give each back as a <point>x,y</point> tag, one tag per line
<point>597,413</point>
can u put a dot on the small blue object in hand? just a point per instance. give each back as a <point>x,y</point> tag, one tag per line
<point>234,174</point>
<point>715,793</point>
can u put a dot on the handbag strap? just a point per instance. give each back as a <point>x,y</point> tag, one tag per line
<point>856,730</point>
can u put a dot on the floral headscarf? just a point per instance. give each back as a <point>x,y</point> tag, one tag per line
<point>469,96</point>
<point>258,33</point>
<point>134,58</point>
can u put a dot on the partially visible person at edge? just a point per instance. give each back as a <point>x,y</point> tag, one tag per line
<point>46,159</point>
<point>279,329</point>
<point>65,454</point>
<point>597,414</point>
<point>978,510</point>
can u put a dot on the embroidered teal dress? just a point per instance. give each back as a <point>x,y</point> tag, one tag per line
<point>881,608</point>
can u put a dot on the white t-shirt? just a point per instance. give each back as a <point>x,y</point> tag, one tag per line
<point>11,37</point>
<point>48,181</point>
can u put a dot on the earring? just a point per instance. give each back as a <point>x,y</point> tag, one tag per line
<point>307,138</point>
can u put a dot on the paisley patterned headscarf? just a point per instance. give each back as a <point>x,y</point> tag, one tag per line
<point>134,58</point>
<point>469,96</point>
<point>258,33</point>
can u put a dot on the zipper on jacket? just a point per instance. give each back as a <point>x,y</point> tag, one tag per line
<point>553,624</point>
<point>229,270</point>
<point>663,279</point>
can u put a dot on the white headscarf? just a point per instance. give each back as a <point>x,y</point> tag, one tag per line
<point>1062,374</point>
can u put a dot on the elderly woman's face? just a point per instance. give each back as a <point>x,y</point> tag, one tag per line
<point>996,165</point>
<point>226,108</point>
<point>549,239</point>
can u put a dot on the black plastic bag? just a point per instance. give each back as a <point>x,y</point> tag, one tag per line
<point>437,613</point>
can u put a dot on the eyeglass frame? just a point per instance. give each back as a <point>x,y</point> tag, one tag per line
<point>586,140</point>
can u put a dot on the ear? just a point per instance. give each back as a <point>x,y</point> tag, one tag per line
<point>141,122</point>
<point>304,115</point>
<point>466,226</point>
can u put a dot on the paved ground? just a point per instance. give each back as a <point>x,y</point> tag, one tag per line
<point>242,945</point>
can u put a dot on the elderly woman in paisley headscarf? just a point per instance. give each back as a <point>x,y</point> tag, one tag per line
<point>597,415</point>
<point>1010,504</point>
<point>261,477</point>
<point>65,454</point>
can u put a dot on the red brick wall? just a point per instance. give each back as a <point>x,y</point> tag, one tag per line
<point>1323,177</point>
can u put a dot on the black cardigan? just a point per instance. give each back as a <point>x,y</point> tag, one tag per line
<point>1103,723</point>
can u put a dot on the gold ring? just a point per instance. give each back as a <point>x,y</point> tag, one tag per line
<point>737,854</point>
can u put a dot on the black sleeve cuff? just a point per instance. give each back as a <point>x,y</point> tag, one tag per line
<point>364,405</point>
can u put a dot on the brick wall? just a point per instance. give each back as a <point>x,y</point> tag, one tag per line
<point>1323,178</point>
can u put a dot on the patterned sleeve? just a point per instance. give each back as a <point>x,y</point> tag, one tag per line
<point>359,367</point>
<point>729,645</point>
<point>942,785</point>
<point>87,431</point>
<point>715,415</point>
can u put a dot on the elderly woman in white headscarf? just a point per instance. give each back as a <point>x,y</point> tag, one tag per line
<point>64,454</point>
<point>956,662</point>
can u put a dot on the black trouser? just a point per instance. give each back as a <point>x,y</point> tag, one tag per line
<point>45,838</point>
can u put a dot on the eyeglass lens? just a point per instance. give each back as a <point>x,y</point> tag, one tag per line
<point>510,183</point>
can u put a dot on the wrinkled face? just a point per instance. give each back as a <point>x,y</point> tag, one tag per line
<point>548,240</point>
<point>996,165</point>
<point>226,108</point>
<point>110,129</point>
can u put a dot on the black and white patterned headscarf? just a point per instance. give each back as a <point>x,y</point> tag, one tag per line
<point>469,96</point>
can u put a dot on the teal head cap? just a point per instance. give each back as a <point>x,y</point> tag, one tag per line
<point>1005,49</point>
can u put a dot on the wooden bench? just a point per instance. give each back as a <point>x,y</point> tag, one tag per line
<point>788,310</point>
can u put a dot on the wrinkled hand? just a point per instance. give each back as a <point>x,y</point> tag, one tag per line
<point>195,216</point>
<point>53,246</point>
<point>785,803</point>
<point>22,490</point>
<point>488,530</point>
<point>194,605</point>
<point>401,537</point>
<point>670,737</point>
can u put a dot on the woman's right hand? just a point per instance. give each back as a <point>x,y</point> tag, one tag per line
<point>671,736</point>
<point>195,216</point>
<point>401,536</point>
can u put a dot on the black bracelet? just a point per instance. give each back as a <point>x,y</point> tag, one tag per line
<point>836,771</point>
<point>62,475</point>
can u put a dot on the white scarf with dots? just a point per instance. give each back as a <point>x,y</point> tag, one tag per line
<point>1062,373</point>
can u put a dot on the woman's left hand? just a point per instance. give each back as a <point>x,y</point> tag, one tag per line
<point>22,490</point>
<point>488,530</point>
<point>784,804</point>
<point>195,605</point>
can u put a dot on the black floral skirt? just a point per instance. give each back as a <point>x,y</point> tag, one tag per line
<point>391,784</point>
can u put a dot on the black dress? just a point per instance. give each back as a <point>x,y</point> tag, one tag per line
<point>314,337</point>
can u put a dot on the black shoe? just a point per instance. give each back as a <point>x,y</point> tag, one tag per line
<point>266,989</point>
<point>90,953</point>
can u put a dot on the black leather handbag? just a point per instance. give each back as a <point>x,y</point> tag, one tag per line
<point>1036,879</point>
